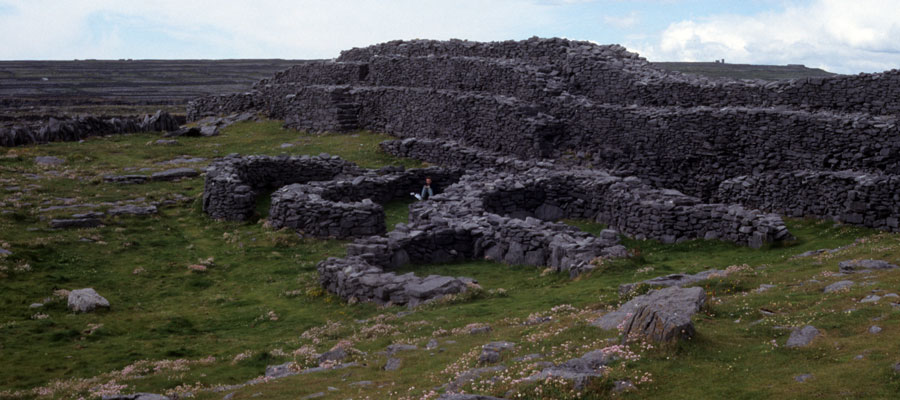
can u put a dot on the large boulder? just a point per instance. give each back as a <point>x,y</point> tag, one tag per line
<point>86,300</point>
<point>662,315</point>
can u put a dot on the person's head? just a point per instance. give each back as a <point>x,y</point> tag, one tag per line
<point>428,180</point>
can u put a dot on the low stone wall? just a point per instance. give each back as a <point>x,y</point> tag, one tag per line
<point>348,208</point>
<point>70,130</point>
<point>354,278</point>
<point>846,196</point>
<point>233,183</point>
<point>545,191</point>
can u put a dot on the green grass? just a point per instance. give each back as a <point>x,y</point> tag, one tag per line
<point>260,294</point>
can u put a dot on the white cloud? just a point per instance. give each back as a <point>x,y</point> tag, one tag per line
<point>838,35</point>
<point>622,21</point>
<point>43,29</point>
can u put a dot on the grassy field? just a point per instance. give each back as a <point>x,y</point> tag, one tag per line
<point>175,330</point>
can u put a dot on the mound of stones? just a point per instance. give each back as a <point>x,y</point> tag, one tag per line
<point>824,147</point>
<point>74,129</point>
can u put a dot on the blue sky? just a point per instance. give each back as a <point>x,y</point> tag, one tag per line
<point>847,36</point>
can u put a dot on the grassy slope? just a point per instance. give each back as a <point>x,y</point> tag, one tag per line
<point>168,312</point>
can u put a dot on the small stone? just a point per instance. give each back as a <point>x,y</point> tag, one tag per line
<point>35,305</point>
<point>802,337</point>
<point>480,329</point>
<point>874,329</point>
<point>337,354</point>
<point>48,160</point>
<point>393,364</point>
<point>764,287</point>
<point>623,386</point>
<point>872,298</point>
<point>838,286</point>
<point>86,300</point>
<point>803,377</point>
<point>432,344</point>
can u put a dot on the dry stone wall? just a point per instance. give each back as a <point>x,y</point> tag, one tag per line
<point>74,129</point>
<point>348,208</point>
<point>548,129</point>
<point>865,199</point>
<point>234,183</point>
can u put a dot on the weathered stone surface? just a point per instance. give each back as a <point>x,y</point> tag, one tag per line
<point>802,337</point>
<point>132,210</point>
<point>668,280</point>
<point>125,179</point>
<point>86,300</point>
<point>490,353</point>
<point>393,364</point>
<point>665,315</point>
<point>578,370</point>
<point>398,347</point>
<point>48,160</point>
<point>468,376</point>
<point>136,396</point>
<point>173,174</point>
<point>338,354</point>
<point>460,396</point>
<point>86,222</point>
<point>838,286</point>
<point>853,266</point>
<point>282,370</point>
<point>662,315</point>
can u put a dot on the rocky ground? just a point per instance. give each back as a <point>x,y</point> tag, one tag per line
<point>36,90</point>
<point>182,305</point>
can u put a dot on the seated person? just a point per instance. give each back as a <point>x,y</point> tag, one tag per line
<point>427,190</point>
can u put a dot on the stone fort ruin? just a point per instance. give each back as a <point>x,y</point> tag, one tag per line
<point>529,132</point>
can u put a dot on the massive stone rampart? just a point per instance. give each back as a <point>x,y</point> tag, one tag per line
<point>548,129</point>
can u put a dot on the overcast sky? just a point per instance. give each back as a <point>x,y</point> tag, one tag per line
<point>846,36</point>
